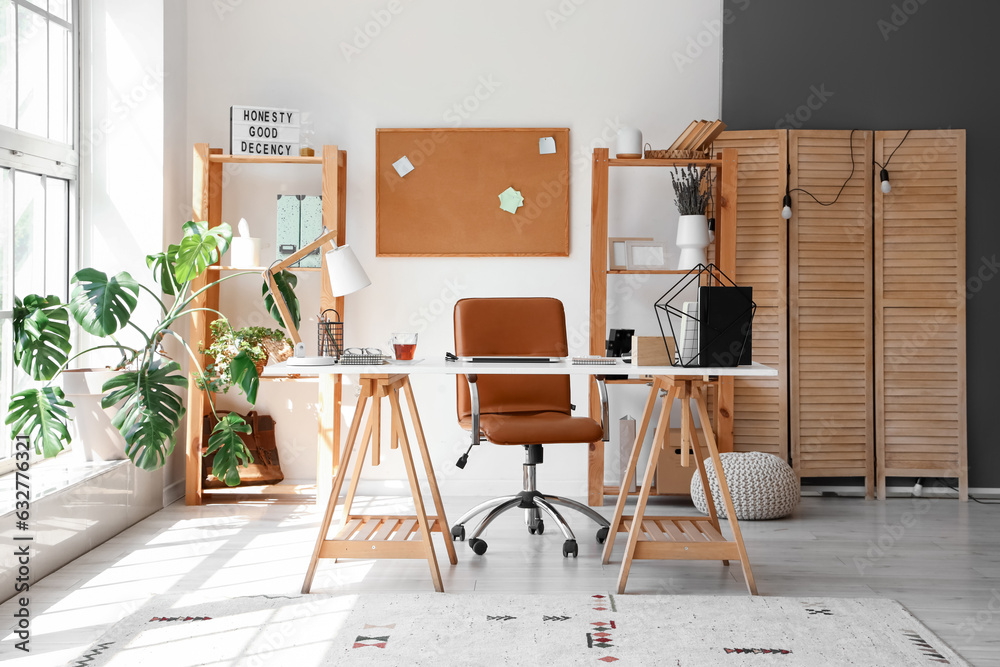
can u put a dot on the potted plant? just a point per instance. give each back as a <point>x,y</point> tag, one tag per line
<point>692,191</point>
<point>145,389</point>
<point>258,343</point>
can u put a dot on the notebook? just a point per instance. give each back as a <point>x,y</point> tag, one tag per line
<point>594,361</point>
<point>687,351</point>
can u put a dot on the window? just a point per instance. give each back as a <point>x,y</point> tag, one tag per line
<point>38,164</point>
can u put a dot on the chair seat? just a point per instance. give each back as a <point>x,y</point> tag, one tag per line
<point>539,428</point>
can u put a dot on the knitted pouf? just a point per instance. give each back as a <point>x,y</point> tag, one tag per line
<point>762,486</point>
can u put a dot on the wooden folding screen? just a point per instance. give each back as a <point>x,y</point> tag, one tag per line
<point>920,294</point>
<point>830,306</point>
<point>761,416</point>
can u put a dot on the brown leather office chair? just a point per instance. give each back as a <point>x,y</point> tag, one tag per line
<point>523,410</point>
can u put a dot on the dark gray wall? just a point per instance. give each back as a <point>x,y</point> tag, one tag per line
<point>888,65</point>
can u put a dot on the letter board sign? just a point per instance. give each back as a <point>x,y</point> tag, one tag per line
<point>263,131</point>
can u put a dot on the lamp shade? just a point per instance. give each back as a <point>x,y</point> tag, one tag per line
<point>346,274</point>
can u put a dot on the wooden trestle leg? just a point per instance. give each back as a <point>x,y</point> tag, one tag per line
<point>677,537</point>
<point>370,536</point>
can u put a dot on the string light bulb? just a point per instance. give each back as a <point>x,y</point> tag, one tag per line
<point>786,207</point>
<point>884,176</point>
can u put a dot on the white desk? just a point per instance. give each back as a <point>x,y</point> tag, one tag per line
<point>438,366</point>
<point>649,537</point>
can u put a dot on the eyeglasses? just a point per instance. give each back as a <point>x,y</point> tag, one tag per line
<point>364,351</point>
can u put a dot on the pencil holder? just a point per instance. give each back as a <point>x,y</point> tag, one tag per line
<point>330,335</point>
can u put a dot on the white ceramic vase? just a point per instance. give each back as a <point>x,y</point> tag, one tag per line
<point>692,239</point>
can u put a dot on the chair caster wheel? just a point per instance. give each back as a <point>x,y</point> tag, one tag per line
<point>602,534</point>
<point>458,532</point>
<point>478,546</point>
<point>569,547</point>
<point>538,528</point>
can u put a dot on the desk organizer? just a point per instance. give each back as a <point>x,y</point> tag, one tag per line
<point>716,330</point>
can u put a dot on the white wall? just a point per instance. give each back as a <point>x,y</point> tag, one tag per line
<point>590,66</point>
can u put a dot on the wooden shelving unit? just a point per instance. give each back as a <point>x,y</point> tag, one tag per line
<point>726,165</point>
<point>207,205</point>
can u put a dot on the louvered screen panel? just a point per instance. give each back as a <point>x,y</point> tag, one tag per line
<point>920,306</point>
<point>761,405</point>
<point>830,306</point>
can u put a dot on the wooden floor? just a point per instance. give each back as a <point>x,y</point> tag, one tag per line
<point>940,558</point>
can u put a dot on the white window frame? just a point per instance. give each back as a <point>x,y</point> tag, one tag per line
<point>24,152</point>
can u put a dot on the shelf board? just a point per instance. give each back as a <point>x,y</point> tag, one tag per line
<point>666,272</point>
<point>267,159</point>
<point>651,162</point>
<point>297,493</point>
<point>261,269</point>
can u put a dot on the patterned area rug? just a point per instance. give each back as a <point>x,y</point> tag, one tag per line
<point>472,629</point>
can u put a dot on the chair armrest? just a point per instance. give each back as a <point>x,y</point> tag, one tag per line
<point>602,390</point>
<point>474,394</point>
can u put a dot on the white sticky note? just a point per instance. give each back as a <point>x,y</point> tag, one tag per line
<point>546,145</point>
<point>402,166</point>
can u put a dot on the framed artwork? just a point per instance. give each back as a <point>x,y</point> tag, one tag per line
<point>647,255</point>
<point>617,253</point>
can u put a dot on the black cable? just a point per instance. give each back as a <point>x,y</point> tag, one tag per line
<point>886,165</point>
<point>841,191</point>
<point>971,497</point>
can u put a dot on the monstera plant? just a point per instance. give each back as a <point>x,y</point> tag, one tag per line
<point>146,388</point>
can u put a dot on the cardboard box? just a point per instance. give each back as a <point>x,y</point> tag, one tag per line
<point>650,351</point>
<point>671,477</point>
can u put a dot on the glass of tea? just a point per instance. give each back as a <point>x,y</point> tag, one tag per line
<point>404,345</point>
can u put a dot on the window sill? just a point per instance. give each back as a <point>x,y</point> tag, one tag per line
<point>48,477</point>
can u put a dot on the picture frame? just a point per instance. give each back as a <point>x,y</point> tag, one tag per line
<point>647,255</point>
<point>617,252</point>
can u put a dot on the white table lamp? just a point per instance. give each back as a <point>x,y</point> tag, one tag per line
<point>345,271</point>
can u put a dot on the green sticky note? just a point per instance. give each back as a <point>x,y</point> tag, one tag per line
<point>510,200</point>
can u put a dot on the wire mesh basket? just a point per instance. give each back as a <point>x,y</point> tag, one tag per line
<point>330,335</point>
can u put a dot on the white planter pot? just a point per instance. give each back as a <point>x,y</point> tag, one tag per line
<point>692,240</point>
<point>91,428</point>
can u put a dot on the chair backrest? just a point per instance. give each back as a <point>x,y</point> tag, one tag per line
<point>534,326</point>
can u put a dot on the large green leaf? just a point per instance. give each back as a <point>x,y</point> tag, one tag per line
<point>244,374</point>
<point>151,410</point>
<point>162,265</point>
<point>230,452</point>
<point>41,335</point>
<point>41,415</point>
<point>286,282</point>
<point>194,256</point>
<point>103,305</point>
<point>200,247</point>
<point>222,232</point>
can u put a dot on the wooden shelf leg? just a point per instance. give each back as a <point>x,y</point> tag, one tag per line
<point>660,438</point>
<point>418,502</point>
<point>720,475</point>
<point>633,462</point>
<point>418,430</point>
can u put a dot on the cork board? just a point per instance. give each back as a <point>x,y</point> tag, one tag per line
<point>449,205</point>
